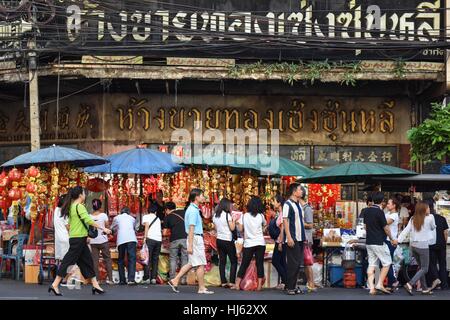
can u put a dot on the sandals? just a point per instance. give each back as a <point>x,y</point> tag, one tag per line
<point>383,290</point>
<point>205,291</point>
<point>427,292</point>
<point>435,284</point>
<point>174,288</point>
<point>408,289</point>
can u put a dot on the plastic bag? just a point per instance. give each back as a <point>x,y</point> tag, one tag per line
<point>163,264</point>
<point>250,280</point>
<point>308,259</point>
<point>317,274</point>
<point>212,278</point>
<point>144,254</point>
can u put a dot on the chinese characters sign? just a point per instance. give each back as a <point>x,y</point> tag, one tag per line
<point>328,155</point>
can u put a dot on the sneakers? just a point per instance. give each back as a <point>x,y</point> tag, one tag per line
<point>132,283</point>
<point>153,281</point>
<point>145,281</point>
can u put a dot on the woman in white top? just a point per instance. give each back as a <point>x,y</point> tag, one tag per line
<point>100,244</point>
<point>153,240</point>
<point>252,224</point>
<point>61,225</point>
<point>392,219</point>
<point>224,225</point>
<point>420,228</point>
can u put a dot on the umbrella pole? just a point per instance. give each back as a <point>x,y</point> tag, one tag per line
<point>357,200</point>
<point>140,198</point>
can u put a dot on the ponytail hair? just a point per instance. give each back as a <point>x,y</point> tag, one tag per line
<point>96,204</point>
<point>73,195</point>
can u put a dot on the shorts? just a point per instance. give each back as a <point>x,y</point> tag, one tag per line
<point>378,254</point>
<point>198,257</point>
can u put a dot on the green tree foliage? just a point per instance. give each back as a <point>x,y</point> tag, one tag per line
<point>431,140</point>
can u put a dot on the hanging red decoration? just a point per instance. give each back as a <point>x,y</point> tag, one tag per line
<point>32,172</point>
<point>97,185</point>
<point>14,175</point>
<point>14,194</point>
<point>327,194</point>
<point>31,188</point>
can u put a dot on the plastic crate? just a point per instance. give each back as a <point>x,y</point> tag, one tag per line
<point>336,273</point>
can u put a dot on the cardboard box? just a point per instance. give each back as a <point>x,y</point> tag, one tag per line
<point>31,274</point>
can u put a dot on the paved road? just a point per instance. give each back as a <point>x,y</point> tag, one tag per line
<point>16,290</point>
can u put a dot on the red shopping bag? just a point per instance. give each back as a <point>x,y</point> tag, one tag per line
<point>308,259</point>
<point>250,280</point>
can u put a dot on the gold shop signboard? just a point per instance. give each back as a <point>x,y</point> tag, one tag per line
<point>308,120</point>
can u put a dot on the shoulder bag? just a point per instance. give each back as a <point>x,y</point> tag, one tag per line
<point>92,231</point>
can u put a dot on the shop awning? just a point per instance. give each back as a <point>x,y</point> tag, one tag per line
<point>420,182</point>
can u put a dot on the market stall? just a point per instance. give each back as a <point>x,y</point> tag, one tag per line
<point>30,185</point>
<point>338,216</point>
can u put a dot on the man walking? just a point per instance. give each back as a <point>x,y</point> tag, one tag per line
<point>377,250</point>
<point>195,245</point>
<point>174,221</point>
<point>295,236</point>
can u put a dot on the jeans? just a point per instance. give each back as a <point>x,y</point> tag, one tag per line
<point>80,255</point>
<point>422,257</point>
<point>178,248</point>
<point>106,255</point>
<point>279,262</point>
<point>128,249</point>
<point>227,248</point>
<point>154,249</point>
<point>391,275</point>
<point>247,256</point>
<point>294,258</point>
<point>438,256</point>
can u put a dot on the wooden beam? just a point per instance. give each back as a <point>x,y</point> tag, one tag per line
<point>370,70</point>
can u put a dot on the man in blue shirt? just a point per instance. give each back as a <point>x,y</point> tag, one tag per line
<point>195,246</point>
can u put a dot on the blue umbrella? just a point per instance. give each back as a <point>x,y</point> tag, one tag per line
<point>56,154</point>
<point>445,169</point>
<point>138,161</point>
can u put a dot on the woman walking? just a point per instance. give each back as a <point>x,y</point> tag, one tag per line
<point>420,228</point>
<point>225,225</point>
<point>61,225</point>
<point>100,244</point>
<point>393,220</point>
<point>279,251</point>
<point>79,252</point>
<point>252,224</point>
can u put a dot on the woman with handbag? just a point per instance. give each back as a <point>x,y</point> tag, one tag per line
<point>308,260</point>
<point>153,240</point>
<point>252,224</point>
<point>226,235</point>
<point>81,227</point>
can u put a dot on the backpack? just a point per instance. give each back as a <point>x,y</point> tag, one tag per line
<point>274,230</point>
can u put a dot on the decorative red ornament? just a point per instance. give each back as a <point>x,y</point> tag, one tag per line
<point>4,182</point>
<point>97,185</point>
<point>31,188</point>
<point>33,172</point>
<point>14,194</point>
<point>14,175</point>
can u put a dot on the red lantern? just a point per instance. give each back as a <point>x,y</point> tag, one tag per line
<point>31,188</point>
<point>33,172</point>
<point>14,194</point>
<point>97,185</point>
<point>14,175</point>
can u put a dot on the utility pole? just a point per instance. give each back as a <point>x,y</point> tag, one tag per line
<point>34,95</point>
